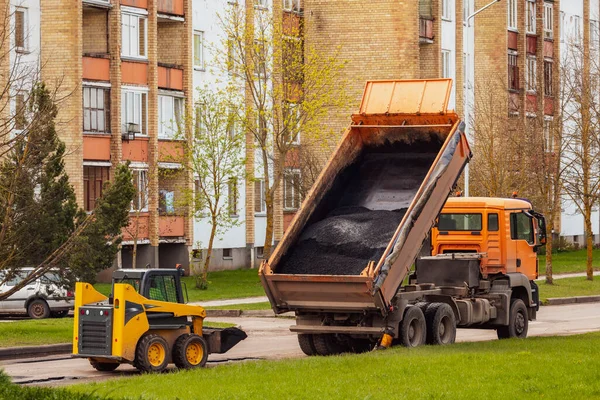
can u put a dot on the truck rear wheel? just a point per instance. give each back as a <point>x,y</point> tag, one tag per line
<point>103,366</point>
<point>306,344</point>
<point>412,327</point>
<point>190,351</point>
<point>441,324</point>
<point>152,354</point>
<point>518,321</point>
<point>328,344</point>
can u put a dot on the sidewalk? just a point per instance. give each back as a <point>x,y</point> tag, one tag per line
<point>563,276</point>
<point>228,302</point>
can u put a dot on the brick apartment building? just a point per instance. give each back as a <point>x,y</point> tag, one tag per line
<point>125,70</point>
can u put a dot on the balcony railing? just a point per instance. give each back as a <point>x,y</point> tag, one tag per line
<point>171,226</point>
<point>96,68</point>
<point>172,7</point>
<point>170,77</point>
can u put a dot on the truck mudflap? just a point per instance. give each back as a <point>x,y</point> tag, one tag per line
<point>222,340</point>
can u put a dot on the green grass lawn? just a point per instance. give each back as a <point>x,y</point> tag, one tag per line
<point>36,332</point>
<point>567,262</point>
<point>569,287</point>
<point>221,285</point>
<point>550,367</point>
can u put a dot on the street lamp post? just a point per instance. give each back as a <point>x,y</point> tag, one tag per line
<point>468,37</point>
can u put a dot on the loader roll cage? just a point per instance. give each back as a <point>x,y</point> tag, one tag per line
<point>154,284</point>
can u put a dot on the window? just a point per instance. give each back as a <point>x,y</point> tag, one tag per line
<point>199,49</point>
<point>562,26</point>
<point>492,222</point>
<point>446,10</point>
<point>548,77</point>
<point>260,3</point>
<point>96,109</point>
<point>260,58</point>
<point>531,73</point>
<point>133,36</point>
<point>166,202</point>
<point>21,29</point>
<point>576,28</point>
<point>512,14</point>
<point>446,64</point>
<point>594,35</point>
<point>459,222</point>
<point>227,254</point>
<point>94,179</point>
<point>548,134</point>
<point>259,196</point>
<point>140,182</point>
<point>530,16</point>
<point>162,288</point>
<point>20,112</point>
<point>513,71</point>
<point>293,119</point>
<point>291,193</point>
<point>170,110</point>
<point>260,252</point>
<point>232,192</point>
<point>231,128</point>
<point>521,227</point>
<point>548,20</point>
<point>291,5</point>
<point>134,111</point>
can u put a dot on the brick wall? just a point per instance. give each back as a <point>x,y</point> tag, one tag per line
<point>95,26</point>
<point>170,43</point>
<point>430,53</point>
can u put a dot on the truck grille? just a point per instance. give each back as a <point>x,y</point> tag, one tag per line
<point>95,335</point>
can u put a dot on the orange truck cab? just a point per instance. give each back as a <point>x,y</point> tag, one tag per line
<point>505,232</point>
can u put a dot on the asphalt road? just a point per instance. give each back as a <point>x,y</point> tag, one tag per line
<point>270,338</point>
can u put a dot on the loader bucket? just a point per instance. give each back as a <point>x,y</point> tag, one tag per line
<point>222,340</point>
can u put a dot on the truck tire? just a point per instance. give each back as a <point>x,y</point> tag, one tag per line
<point>38,309</point>
<point>306,344</point>
<point>518,321</point>
<point>190,351</point>
<point>152,354</point>
<point>103,366</point>
<point>413,330</point>
<point>441,324</point>
<point>327,344</point>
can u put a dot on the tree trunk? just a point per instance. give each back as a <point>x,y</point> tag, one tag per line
<point>549,243</point>
<point>203,284</point>
<point>589,234</point>
<point>269,229</point>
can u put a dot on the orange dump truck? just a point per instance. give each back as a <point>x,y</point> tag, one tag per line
<point>344,264</point>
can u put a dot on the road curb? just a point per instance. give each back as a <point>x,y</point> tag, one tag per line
<point>559,301</point>
<point>241,313</point>
<point>11,353</point>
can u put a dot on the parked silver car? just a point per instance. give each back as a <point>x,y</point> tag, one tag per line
<point>41,298</point>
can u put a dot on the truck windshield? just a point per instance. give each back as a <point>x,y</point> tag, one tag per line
<point>459,222</point>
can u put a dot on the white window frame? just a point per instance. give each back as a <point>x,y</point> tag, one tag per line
<point>512,14</point>
<point>594,35</point>
<point>172,105</point>
<point>530,14</point>
<point>262,4</point>
<point>562,26</point>
<point>287,185</point>
<point>25,47</point>
<point>551,81</point>
<point>576,28</point>
<point>263,204</point>
<point>446,10</point>
<point>131,48</point>
<point>141,191</point>
<point>98,111</point>
<point>548,20</point>
<point>446,63</point>
<point>548,135</point>
<point>531,73</point>
<point>132,101</point>
<point>199,58</point>
<point>233,186</point>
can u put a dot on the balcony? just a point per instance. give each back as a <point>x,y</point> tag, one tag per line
<point>96,68</point>
<point>134,73</point>
<point>425,30</point>
<point>170,77</point>
<point>171,7</point>
<point>96,147</point>
<point>170,151</point>
<point>136,150</point>
<point>135,3</point>
<point>171,226</point>
<point>137,224</point>
<point>97,3</point>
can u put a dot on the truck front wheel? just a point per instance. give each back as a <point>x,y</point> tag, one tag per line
<point>518,322</point>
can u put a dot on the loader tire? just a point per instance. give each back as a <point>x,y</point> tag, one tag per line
<point>103,366</point>
<point>306,344</point>
<point>190,351</point>
<point>152,354</point>
<point>518,321</point>
<point>441,324</point>
<point>413,330</point>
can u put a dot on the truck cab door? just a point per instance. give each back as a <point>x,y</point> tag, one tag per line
<point>522,234</point>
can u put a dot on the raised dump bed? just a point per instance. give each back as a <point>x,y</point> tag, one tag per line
<point>362,224</point>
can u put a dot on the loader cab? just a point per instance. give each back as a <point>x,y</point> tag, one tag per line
<point>154,284</point>
<point>507,231</point>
